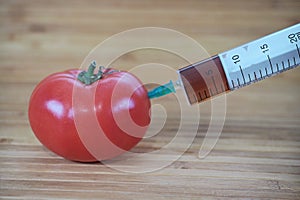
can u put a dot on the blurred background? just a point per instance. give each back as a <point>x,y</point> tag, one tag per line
<point>262,126</point>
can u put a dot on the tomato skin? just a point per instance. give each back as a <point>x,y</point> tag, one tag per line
<point>51,113</point>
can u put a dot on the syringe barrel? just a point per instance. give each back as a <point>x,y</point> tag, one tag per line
<point>203,80</point>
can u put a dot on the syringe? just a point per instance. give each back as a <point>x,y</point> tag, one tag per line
<point>238,67</point>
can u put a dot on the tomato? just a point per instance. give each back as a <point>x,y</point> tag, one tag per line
<point>53,112</point>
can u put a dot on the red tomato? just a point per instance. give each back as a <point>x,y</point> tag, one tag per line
<point>52,114</point>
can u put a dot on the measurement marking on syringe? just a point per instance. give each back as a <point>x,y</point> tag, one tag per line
<point>232,83</point>
<point>212,78</point>
<point>242,74</point>
<point>270,63</point>
<point>249,77</point>
<point>255,75</point>
<point>294,60</point>
<point>260,74</point>
<point>211,93</point>
<point>205,94</point>
<point>282,64</point>
<point>277,67</point>
<point>298,50</point>
<point>266,71</point>
<point>289,64</point>
<point>200,96</point>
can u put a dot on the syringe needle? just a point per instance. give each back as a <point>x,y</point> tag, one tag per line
<point>162,90</point>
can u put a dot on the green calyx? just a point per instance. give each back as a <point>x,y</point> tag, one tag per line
<point>88,77</point>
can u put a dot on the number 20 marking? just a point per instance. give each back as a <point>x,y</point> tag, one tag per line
<point>294,37</point>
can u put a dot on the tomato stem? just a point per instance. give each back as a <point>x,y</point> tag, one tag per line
<point>88,77</point>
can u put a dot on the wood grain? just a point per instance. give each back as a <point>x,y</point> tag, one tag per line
<point>257,155</point>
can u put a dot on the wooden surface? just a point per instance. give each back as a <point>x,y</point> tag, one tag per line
<point>257,155</point>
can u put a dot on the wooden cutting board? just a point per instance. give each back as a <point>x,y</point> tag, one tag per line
<point>257,155</point>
